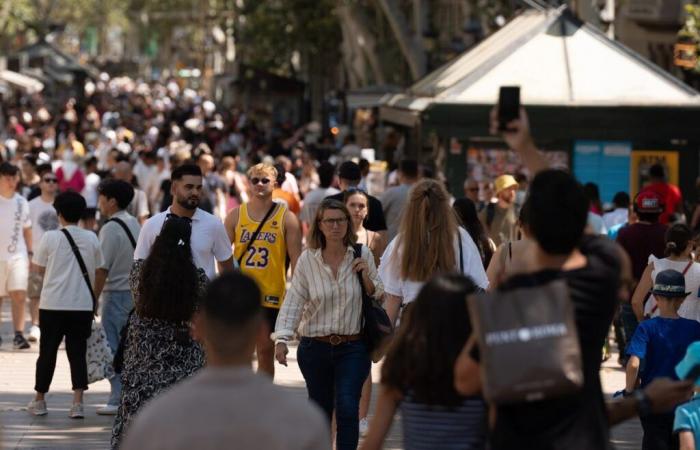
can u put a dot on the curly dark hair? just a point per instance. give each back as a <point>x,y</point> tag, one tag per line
<point>169,280</point>
<point>433,331</point>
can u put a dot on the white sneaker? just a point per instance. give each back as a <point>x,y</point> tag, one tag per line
<point>76,411</point>
<point>109,410</point>
<point>364,427</point>
<point>37,408</point>
<point>34,334</point>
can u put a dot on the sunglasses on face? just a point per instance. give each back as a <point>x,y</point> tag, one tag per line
<point>256,180</point>
<point>473,189</point>
<point>50,180</point>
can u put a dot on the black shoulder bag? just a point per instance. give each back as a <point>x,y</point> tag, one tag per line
<point>376,326</point>
<point>83,268</point>
<point>255,234</point>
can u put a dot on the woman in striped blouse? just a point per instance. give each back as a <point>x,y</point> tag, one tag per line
<point>418,377</point>
<point>324,307</point>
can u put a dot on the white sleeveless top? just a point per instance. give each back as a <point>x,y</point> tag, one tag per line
<point>690,309</point>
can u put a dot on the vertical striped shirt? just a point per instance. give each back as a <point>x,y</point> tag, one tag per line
<point>319,304</point>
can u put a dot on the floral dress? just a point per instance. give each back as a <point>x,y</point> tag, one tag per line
<point>158,353</point>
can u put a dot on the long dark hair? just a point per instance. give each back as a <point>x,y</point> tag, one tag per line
<point>169,283</point>
<point>433,331</point>
<point>466,211</point>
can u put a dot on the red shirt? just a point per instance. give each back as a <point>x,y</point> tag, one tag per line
<point>671,195</point>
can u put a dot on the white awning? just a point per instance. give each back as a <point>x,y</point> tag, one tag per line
<point>28,84</point>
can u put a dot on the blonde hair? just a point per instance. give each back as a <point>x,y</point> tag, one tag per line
<point>426,233</point>
<point>267,169</point>
<point>316,239</point>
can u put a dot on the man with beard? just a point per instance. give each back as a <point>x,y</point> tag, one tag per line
<point>210,243</point>
<point>276,235</point>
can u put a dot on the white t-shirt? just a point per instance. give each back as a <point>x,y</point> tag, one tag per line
<point>390,270</point>
<point>14,218</point>
<point>44,218</point>
<point>209,240</point>
<point>64,286</point>
<point>90,190</point>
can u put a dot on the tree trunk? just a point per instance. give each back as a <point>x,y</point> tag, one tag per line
<point>410,44</point>
<point>362,39</point>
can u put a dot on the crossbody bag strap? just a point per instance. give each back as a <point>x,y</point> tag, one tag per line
<point>83,268</point>
<point>461,252</point>
<point>254,236</point>
<point>126,229</point>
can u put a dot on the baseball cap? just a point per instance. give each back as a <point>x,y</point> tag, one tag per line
<point>689,367</point>
<point>504,182</point>
<point>349,171</point>
<point>670,283</point>
<point>649,202</point>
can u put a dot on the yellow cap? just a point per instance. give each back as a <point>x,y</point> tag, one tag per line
<point>504,182</point>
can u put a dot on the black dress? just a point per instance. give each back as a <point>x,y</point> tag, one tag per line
<point>158,354</point>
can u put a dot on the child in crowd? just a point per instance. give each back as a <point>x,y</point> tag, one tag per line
<point>687,422</point>
<point>661,343</point>
<point>418,377</point>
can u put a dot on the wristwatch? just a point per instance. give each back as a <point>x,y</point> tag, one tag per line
<point>643,403</point>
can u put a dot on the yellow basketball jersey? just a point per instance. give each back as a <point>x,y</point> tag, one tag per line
<point>265,259</point>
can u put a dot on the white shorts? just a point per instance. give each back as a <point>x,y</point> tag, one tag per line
<point>13,275</point>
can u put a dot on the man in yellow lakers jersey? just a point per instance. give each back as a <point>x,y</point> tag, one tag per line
<point>264,233</point>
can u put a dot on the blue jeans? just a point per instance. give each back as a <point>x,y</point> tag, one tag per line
<point>116,306</point>
<point>334,375</point>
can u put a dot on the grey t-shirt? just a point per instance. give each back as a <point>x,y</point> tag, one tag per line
<point>393,202</point>
<point>117,251</point>
<point>235,408</point>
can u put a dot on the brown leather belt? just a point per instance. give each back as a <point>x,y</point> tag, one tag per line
<point>337,339</point>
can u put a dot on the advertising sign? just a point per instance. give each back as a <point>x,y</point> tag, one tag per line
<point>642,160</point>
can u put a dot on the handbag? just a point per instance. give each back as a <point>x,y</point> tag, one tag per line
<point>376,326</point>
<point>98,354</point>
<point>528,343</point>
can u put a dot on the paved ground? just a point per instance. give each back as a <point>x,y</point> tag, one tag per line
<point>19,430</point>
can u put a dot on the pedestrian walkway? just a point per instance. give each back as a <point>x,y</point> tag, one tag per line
<point>19,430</point>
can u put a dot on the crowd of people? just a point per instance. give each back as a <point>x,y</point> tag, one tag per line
<point>201,237</point>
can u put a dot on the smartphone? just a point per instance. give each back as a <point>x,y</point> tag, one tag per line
<point>508,106</point>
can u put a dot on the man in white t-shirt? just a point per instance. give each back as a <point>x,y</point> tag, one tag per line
<point>15,246</point>
<point>211,246</point>
<point>44,218</point>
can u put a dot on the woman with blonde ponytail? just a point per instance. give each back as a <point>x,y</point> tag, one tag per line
<point>429,242</point>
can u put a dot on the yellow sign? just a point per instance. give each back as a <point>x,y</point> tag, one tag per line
<point>642,160</point>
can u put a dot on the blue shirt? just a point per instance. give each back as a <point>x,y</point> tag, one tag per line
<point>662,343</point>
<point>688,418</point>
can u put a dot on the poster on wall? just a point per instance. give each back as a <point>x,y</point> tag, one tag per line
<point>487,164</point>
<point>642,160</point>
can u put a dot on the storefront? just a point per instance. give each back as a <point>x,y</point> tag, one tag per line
<point>595,107</point>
